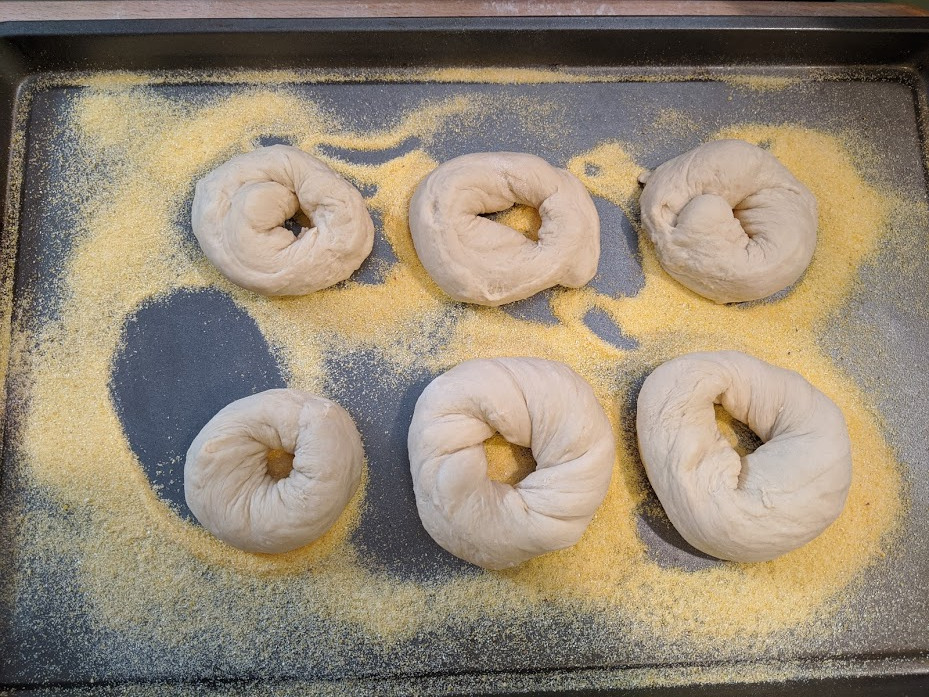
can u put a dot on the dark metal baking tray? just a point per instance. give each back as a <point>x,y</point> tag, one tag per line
<point>862,57</point>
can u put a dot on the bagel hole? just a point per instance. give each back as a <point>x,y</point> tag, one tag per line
<point>280,463</point>
<point>742,438</point>
<point>524,219</point>
<point>297,222</point>
<point>507,463</point>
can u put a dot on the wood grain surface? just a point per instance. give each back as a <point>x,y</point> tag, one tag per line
<point>190,9</point>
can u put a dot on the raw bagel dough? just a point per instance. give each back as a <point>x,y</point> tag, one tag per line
<point>729,221</point>
<point>767,503</point>
<point>478,260</point>
<point>531,402</point>
<point>240,207</point>
<point>229,489</point>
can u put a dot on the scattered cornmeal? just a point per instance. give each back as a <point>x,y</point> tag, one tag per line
<point>762,83</point>
<point>280,463</point>
<point>742,439</point>
<point>506,462</point>
<point>146,571</point>
<point>524,219</point>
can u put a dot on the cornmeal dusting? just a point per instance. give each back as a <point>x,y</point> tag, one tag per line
<point>506,462</point>
<point>524,219</point>
<point>762,83</point>
<point>146,571</point>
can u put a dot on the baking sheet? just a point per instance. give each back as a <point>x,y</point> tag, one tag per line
<point>165,385</point>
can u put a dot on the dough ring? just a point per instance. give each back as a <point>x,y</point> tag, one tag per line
<point>478,260</point>
<point>533,403</point>
<point>729,221</point>
<point>767,503</point>
<point>227,482</point>
<point>240,207</point>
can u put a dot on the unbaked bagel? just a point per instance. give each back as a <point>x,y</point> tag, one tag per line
<point>228,485</point>
<point>751,508</point>
<point>239,210</point>
<point>729,221</point>
<point>481,261</point>
<point>531,402</point>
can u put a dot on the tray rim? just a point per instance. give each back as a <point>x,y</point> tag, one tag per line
<point>133,9</point>
<point>910,665</point>
<point>162,25</point>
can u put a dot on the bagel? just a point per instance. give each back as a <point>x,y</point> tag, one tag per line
<point>762,505</point>
<point>477,260</point>
<point>239,210</point>
<point>539,404</point>
<point>230,481</point>
<point>729,221</point>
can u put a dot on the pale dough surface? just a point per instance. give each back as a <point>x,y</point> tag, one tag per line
<point>481,261</point>
<point>539,404</point>
<point>226,480</point>
<point>751,508</point>
<point>240,207</point>
<point>729,221</point>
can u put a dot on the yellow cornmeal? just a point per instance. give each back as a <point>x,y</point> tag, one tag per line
<point>168,570</point>
<point>732,430</point>
<point>506,462</point>
<point>524,219</point>
<point>673,123</point>
<point>280,463</point>
<point>761,83</point>
<point>11,214</point>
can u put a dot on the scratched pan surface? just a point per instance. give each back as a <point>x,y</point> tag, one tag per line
<point>165,386</point>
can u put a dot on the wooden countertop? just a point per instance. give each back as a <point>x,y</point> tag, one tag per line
<point>17,10</point>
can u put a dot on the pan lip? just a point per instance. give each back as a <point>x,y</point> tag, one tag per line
<point>213,25</point>
<point>916,28</point>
